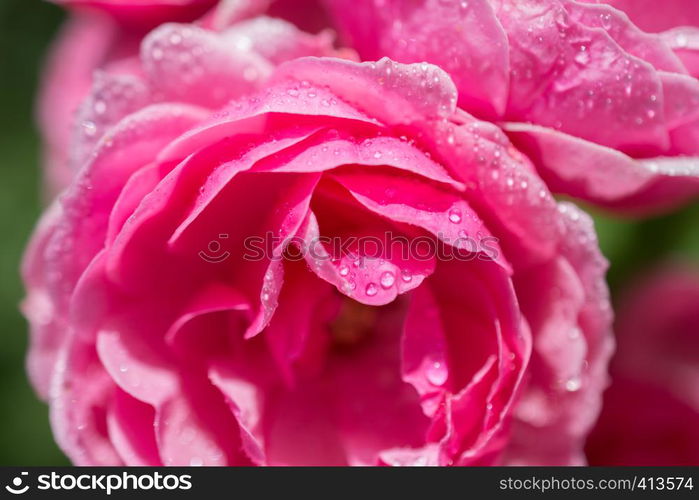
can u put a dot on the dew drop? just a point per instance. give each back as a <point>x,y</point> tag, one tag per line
<point>89,128</point>
<point>100,107</point>
<point>455,216</point>
<point>573,384</point>
<point>406,276</point>
<point>344,270</point>
<point>582,57</point>
<point>387,279</point>
<point>437,373</point>
<point>371,289</point>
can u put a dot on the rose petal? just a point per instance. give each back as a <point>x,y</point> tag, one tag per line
<point>277,40</point>
<point>463,38</point>
<point>563,409</point>
<point>650,48</point>
<point>130,424</point>
<point>684,41</point>
<point>188,63</point>
<point>391,92</point>
<point>572,77</point>
<point>602,175</point>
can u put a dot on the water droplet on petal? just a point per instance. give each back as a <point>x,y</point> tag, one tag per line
<point>89,128</point>
<point>455,216</point>
<point>573,384</point>
<point>437,373</point>
<point>371,289</point>
<point>344,270</point>
<point>387,279</point>
<point>100,107</point>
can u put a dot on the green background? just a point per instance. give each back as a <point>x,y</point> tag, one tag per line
<point>26,30</point>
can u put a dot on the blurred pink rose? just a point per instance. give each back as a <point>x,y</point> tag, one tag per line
<point>157,339</point>
<point>96,34</point>
<point>651,411</point>
<point>607,113</point>
<point>101,34</point>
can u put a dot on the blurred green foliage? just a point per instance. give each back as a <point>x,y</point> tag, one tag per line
<point>26,29</point>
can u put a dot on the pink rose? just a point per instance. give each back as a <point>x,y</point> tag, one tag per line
<point>607,113</point>
<point>655,376</point>
<point>158,338</point>
<point>97,33</point>
<point>98,37</point>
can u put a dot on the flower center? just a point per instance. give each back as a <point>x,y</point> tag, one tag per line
<point>353,324</point>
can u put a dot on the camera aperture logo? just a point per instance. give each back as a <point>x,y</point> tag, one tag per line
<point>107,483</point>
<point>16,487</point>
<point>213,253</point>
